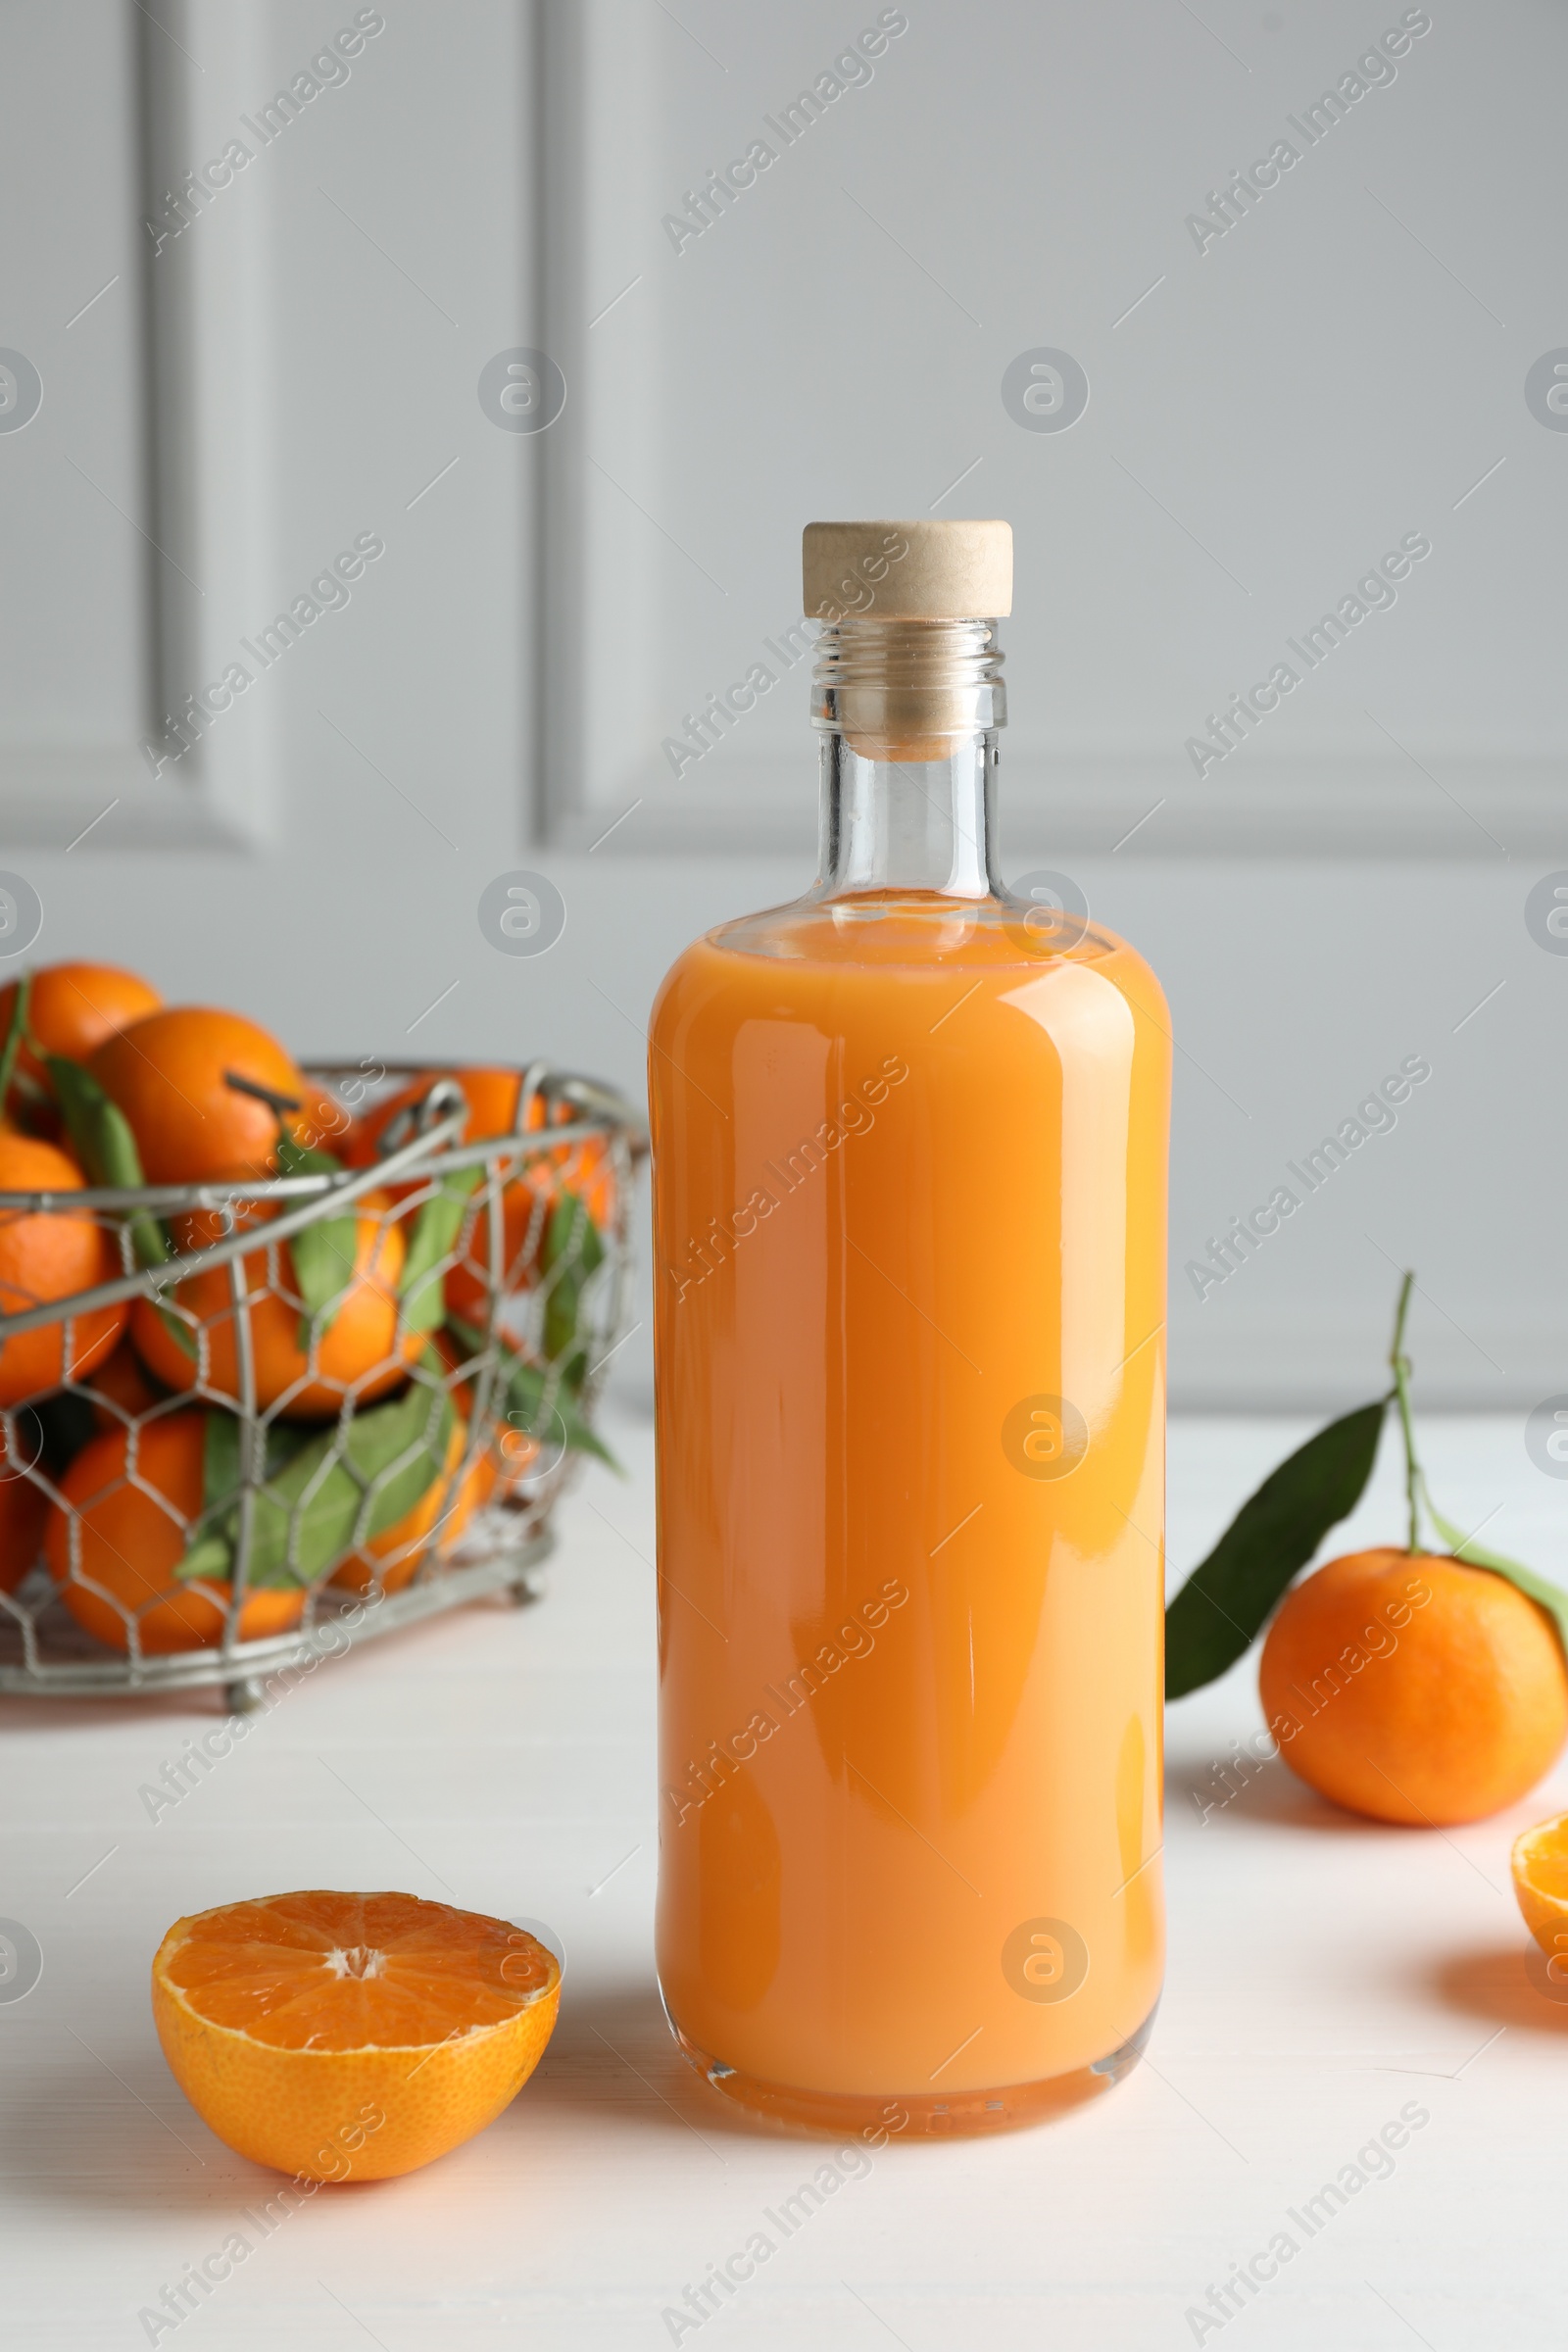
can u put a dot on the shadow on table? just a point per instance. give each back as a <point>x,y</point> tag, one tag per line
<point>1208,1796</point>
<point>119,2138</point>
<point>614,2050</point>
<point>122,2139</point>
<point>1508,1983</point>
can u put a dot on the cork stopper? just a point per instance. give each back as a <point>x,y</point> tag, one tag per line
<point>923,570</point>
<point>907,663</point>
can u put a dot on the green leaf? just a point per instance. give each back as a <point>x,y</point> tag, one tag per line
<point>15,1033</point>
<point>220,1462</point>
<point>221,1447</point>
<point>107,1148</point>
<point>541,1404</point>
<point>573,1250</point>
<point>1550,1597</point>
<point>98,1127</point>
<point>1226,1600</point>
<point>536,1395</point>
<point>308,1515</point>
<point>323,1253</point>
<point>437,1227</point>
<point>179,1331</point>
<point>210,1558</point>
<point>210,1553</point>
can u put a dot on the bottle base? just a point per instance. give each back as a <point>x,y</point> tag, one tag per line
<point>960,2114</point>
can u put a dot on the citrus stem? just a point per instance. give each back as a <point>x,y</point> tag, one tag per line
<point>1400,1365</point>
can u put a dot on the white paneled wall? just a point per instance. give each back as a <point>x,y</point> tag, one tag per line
<point>1267,417</point>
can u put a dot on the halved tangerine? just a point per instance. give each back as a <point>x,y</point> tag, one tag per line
<point>351,2036</point>
<point>1540,1861</point>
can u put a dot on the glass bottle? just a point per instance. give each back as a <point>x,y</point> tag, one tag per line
<point>910,1141</point>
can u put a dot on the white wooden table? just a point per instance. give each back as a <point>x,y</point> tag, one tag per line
<point>1325,1975</point>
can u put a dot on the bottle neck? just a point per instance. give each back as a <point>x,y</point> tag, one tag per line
<point>908,712</point>
<point>909,824</point>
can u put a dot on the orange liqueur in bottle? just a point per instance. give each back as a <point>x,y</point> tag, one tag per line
<point>910,1166</point>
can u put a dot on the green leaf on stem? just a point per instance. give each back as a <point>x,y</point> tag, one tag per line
<point>310,1510</point>
<point>541,1404</point>
<point>1550,1597</point>
<point>1463,1548</point>
<point>221,1457</point>
<point>210,1553</point>
<point>221,1452</point>
<point>106,1149</point>
<point>1228,1599</point>
<point>323,1253</point>
<point>437,1227</point>
<point>572,1251</point>
<point>536,1399</point>
<point>209,1559</point>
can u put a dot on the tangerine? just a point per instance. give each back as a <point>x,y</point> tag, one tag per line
<point>1540,1864</point>
<point>351,2036</point>
<point>124,1388</point>
<point>305,1365</point>
<point>493,1097</point>
<point>129,1540</point>
<point>71,1007</point>
<point>49,1255</point>
<point>1413,1687</point>
<point>324,1123</point>
<point>169,1074</point>
<point>514,1453</point>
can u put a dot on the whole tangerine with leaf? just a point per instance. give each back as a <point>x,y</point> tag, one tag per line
<point>131,1506</point>
<point>150,1515</point>
<point>319,1317</point>
<point>67,1008</point>
<point>436,1522</point>
<point>202,1091</point>
<point>1408,1683</point>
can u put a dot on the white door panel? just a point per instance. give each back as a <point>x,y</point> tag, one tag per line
<point>230,413</point>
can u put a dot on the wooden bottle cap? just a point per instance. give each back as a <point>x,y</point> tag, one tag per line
<point>924,570</point>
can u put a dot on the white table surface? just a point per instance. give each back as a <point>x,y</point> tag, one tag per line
<point>1323,1973</point>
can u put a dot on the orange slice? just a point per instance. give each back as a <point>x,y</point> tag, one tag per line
<point>1540,1861</point>
<point>351,2036</point>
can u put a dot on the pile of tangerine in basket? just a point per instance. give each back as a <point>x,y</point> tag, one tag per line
<point>351,1339</point>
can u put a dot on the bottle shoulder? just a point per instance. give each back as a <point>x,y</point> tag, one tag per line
<point>878,939</point>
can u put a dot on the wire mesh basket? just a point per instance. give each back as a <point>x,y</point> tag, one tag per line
<point>311,1407</point>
